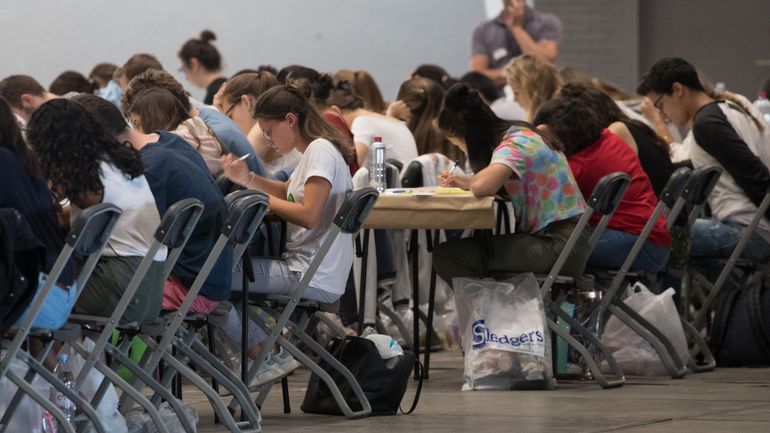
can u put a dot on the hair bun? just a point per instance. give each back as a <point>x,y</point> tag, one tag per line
<point>463,96</point>
<point>299,87</point>
<point>207,36</point>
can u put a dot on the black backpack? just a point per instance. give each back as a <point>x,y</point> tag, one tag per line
<point>740,335</point>
<point>21,260</point>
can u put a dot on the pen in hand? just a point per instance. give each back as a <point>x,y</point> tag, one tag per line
<point>449,173</point>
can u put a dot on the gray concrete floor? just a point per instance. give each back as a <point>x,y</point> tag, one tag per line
<point>725,400</point>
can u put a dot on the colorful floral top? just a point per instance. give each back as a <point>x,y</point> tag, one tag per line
<point>542,189</point>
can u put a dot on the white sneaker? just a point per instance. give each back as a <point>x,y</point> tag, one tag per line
<point>276,366</point>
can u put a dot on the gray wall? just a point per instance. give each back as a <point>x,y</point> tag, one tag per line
<point>724,39</point>
<point>388,38</point>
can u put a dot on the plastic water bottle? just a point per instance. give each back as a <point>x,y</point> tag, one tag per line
<point>763,105</point>
<point>64,373</point>
<point>378,156</point>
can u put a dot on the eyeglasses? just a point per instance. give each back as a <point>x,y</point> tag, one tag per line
<point>227,113</point>
<point>268,133</point>
<point>657,104</point>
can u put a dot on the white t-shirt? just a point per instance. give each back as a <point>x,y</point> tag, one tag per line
<point>396,136</point>
<point>133,233</point>
<point>321,159</point>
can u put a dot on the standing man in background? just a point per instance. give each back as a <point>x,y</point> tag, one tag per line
<point>517,30</point>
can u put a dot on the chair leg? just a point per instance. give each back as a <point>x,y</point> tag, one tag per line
<point>285,392</point>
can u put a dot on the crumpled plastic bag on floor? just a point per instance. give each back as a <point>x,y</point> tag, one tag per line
<point>140,422</point>
<point>505,341</point>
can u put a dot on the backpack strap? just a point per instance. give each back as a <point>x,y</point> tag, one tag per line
<point>418,364</point>
<point>761,335</point>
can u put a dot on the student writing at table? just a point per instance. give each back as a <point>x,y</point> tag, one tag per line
<point>546,200</point>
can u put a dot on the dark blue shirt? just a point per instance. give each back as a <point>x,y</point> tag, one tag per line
<point>30,195</point>
<point>175,171</point>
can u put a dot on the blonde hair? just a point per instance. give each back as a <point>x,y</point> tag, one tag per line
<point>540,79</point>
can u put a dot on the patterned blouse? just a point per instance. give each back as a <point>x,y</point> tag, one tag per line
<point>542,189</point>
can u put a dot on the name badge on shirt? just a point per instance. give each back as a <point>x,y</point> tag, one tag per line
<point>499,54</point>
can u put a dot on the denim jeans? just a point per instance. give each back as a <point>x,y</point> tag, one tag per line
<point>717,239</point>
<point>56,307</point>
<point>613,248</point>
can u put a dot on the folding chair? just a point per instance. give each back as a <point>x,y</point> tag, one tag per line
<point>612,303</point>
<point>86,239</point>
<point>732,262</point>
<point>349,219</point>
<point>173,232</point>
<point>698,185</point>
<point>604,199</point>
<point>246,209</point>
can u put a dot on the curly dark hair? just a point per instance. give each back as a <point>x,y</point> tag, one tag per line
<point>70,145</point>
<point>573,123</point>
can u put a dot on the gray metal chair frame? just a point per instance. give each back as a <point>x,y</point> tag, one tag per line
<point>173,232</point>
<point>349,219</point>
<point>604,199</point>
<point>246,211</point>
<point>612,303</point>
<point>87,238</point>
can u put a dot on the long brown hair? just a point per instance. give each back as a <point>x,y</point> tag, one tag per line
<point>294,97</point>
<point>158,110</point>
<point>423,97</point>
<point>362,84</point>
<point>252,84</point>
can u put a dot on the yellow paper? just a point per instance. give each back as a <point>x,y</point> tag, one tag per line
<point>447,190</point>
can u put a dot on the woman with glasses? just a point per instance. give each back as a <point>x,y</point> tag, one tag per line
<point>238,97</point>
<point>308,202</point>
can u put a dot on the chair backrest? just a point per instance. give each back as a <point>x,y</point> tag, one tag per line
<point>244,208</point>
<point>676,185</point>
<point>391,175</point>
<point>179,222</point>
<point>412,177</point>
<point>605,199</point>
<point>355,209</point>
<point>703,181</point>
<point>395,163</point>
<point>92,229</point>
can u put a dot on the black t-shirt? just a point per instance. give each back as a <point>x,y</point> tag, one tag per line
<point>175,171</point>
<point>30,195</point>
<point>714,134</point>
<point>212,90</point>
<point>655,160</point>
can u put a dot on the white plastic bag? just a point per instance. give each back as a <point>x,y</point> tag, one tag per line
<point>505,340</point>
<point>634,354</point>
<point>107,410</point>
<point>28,414</point>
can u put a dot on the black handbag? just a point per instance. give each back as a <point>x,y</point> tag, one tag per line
<point>383,381</point>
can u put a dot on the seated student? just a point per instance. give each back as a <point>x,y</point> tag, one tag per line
<point>25,95</point>
<point>308,202</point>
<point>435,73</point>
<point>418,103</point>
<point>157,109</point>
<point>652,150</point>
<point>228,134</point>
<point>725,135</point>
<point>88,166</point>
<point>366,124</point>
<point>202,64</point>
<point>238,96</point>
<point>135,65</point>
<point>71,82</point>
<point>176,172</point>
<point>533,81</point>
<point>103,77</point>
<point>594,152</point>
<point>545,197</point>
<point>26,191</point>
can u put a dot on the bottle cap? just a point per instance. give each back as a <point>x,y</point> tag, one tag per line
<point>377,138</point>
<point>63,357</point>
